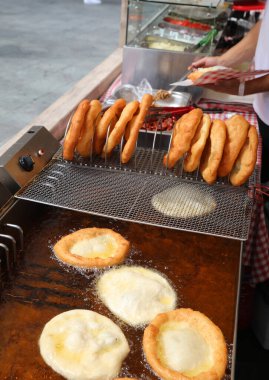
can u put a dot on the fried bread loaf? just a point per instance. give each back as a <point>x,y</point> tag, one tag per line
<point>134,126</point>
<point>114,138</point>
<point>135,294</point>
<point>108,120</point>
<point>185,344</point>
<point>84,146</point>
<point>82,344</point>
<point>245,163</point>
<point>237,131</point>
<point>75,130</point>
<point>196,74</point>
<point>193,157</point>
<point>213,151</point>
<point>92,248</point>
<point>182,136</point>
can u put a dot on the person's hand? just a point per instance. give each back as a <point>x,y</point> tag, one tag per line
<point>230,86</point>
<point>205,62</point>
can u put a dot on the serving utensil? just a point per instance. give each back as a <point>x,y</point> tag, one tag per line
<point>165,94</point>
<point>203,42</point>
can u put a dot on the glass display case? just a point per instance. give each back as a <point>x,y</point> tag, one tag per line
<point>174,27</point>
<point>164,37</point>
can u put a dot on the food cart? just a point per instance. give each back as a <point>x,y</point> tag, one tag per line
<point>201,255</point>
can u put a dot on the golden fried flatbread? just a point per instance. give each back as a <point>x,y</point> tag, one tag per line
<point>213,151</point>
<point>74,132</point>
<point>193,157</point>
<point>135,294</point>
<point>237,131</point>
<point>184,344</point>
<point>92,247</point>
<point>133,128</point>
<point>246,161</point>
<point>82,344</point>
<point>181,141</point>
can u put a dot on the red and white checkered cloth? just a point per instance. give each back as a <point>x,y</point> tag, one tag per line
<point>109,92</point>
<point>214,76</point>
<point>256,252</point>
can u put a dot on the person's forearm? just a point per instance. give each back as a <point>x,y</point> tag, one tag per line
<point>257,85</point>
<point>243,51</point>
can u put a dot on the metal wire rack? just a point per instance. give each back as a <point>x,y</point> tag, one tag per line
<point>108,188</point>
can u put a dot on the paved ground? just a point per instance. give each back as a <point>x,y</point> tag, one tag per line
<point>45,47</point>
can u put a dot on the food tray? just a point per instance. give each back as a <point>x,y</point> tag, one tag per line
<point>129,93</point>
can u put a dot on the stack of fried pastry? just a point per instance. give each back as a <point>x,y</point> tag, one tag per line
<point>94,132</point>
<point>218,148</point>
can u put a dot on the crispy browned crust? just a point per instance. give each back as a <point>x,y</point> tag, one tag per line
<point>193,157</point>
<point>237,131</point>
<point>196,74</point>
<point>84,146</point>
<point>182,136</point>
<point>63,246</point>
<point>134,126</point>
<point>125,378</point>
<point>114,138</point>
<point>109,118</point>
<point>118,106</point>
<point>200,323</point>
<point>213,151</point>
<point>75,129</point>
<point>246,161</point>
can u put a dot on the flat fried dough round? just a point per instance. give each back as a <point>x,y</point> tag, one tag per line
<point>184,344</point>
<point>135,294</point>
<point>183,201</point>
<point>92,247</point>
<point>83,345</point>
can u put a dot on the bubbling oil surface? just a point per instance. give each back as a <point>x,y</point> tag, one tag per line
<point>44,286</point>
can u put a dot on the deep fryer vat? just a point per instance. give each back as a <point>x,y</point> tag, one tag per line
<point>202,269</point>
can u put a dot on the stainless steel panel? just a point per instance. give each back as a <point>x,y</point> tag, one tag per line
<point>39,145</point>
<point>159,67</point>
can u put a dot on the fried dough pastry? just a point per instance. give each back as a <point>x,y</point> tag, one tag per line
<point>213,151</point>
<point>83,344</point>
<point>237,131</point>
<point>193,157</point>
<point>133,127</point>
<point>92,247</point>
<point>109,118</point>
<point>184,201</point>
<point>114,138</point>
<point>246,161</point>
<point>135,294</point>
<point>184,344</point>
<point>182,136</point>
<point>75,129</point>
<point>196,74</point>
<point>84,146</point>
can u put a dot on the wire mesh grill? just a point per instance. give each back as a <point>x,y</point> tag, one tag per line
<point>126,191</point>
<point>148,159</point>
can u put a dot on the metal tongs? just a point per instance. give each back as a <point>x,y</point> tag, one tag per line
<point>157,113</point>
